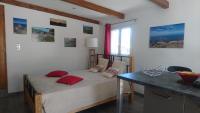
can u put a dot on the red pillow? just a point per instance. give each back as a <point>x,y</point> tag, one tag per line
<point>57,73</point>
<point>70,80</point>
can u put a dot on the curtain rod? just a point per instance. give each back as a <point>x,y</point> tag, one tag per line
<point>125,21</point>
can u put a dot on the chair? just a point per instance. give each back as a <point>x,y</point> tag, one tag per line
<point>178,68</point>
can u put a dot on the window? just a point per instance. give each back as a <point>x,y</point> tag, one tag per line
<point>114,41</point>
<point>121,41</point>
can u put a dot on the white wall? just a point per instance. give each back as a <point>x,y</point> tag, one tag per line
<point>180,11</point>
<point>38,58</point>
<point>101,38</point>
<point>186,11</point>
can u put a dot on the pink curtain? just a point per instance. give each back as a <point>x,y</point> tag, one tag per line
<point>107,45</point>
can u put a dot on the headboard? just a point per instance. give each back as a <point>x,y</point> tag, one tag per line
<point>129,60</point>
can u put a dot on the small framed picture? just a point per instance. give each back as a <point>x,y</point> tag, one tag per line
<point>87,29</point>
<point>70,42</point>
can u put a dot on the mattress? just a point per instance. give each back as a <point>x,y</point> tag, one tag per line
<point>61,98</point>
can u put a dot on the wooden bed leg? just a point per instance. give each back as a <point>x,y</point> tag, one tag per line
<point>38,103</point>
<point>131,64</point>
<point>131,84</point>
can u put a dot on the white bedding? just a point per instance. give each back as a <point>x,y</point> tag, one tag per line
<point>61,98</point>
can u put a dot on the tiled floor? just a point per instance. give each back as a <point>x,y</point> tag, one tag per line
<point>2,93</point>
<point>14,103</point>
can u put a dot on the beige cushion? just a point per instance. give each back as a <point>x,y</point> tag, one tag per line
<point>110,72</point>
<point>97,68</point>
<point>103,62</point>
<point>119,65</point>
<point>107,75</point>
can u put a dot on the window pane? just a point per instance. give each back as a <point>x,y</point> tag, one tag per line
<point>115,41</point>
<point>125,41</point>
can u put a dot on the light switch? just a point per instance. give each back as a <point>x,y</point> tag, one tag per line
<point>18,47</point>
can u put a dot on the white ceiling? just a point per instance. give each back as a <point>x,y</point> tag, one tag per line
<point>118,5</point>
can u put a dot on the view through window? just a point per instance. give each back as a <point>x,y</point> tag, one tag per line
<point>121,41</point>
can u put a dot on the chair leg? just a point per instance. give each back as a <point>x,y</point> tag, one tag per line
<point>132,90</point>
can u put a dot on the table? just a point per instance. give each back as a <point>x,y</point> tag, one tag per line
<point>166,82</point>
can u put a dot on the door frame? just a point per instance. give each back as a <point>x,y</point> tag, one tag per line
<point>5,85</point>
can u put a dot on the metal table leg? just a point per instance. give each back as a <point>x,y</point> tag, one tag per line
<point>119,95</point>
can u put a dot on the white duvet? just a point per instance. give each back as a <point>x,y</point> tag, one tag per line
<point>61,98</point>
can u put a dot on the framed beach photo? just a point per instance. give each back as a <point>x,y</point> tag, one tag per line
<point>168,36</point>
<point>58,22</point>
<point>40,34</point>
<point>19,26</point>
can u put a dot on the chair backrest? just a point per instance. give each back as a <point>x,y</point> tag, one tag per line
<point>178,68</point>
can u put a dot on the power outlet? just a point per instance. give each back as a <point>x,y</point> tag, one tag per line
<point>18,47</point>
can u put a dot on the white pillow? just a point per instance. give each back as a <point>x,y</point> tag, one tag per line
<point>103,62</point>
<point>119,65</point>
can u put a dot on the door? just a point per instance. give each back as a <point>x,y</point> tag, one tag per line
<point>3,73</point>
<point>192,105</point>
<point>162,101</point>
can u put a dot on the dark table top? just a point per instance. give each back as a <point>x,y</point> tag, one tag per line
<point>167,81</point>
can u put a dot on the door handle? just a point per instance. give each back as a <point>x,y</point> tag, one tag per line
<point>162,96</point>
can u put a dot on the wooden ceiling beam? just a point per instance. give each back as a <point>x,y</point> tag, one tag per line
<point>162,3</point>
<point>95,7</point>
<point>48,10</point>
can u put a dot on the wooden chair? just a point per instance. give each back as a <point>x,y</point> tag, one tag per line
<point>178,68</point>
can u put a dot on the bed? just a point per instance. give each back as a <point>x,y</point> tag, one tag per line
<point>44,95</point>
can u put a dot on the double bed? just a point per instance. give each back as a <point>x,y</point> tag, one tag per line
<point>44,95</point>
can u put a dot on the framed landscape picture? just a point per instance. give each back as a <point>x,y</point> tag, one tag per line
<point>87,29</point>
<point>58,22</point>
<point>40,34</point>
<point>19,26</point>
<point>168,36</point>
<point>70,42</point>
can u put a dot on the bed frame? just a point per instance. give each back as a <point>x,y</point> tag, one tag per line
<point>34,98</point>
